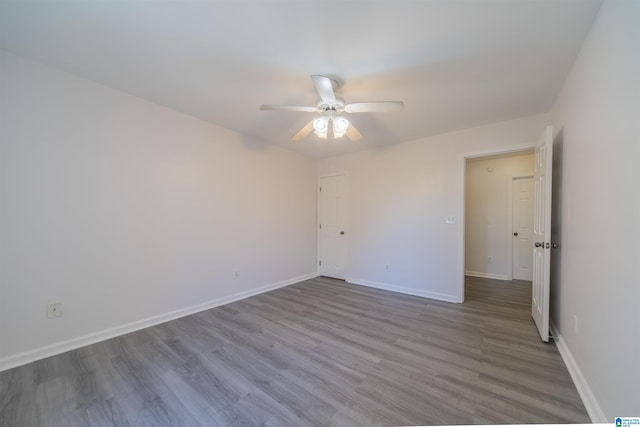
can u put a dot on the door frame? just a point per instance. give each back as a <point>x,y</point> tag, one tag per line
<point>346,213</point>
<point>462,189</point>
<point>510,223</point>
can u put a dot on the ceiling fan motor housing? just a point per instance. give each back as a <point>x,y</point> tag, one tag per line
<point>337,106</point>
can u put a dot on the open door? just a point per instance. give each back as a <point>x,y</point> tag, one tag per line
<point>542,233</point>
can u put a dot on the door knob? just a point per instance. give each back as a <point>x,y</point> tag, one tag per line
<point>515,234</point>
<point>342,232</point>
<point>537,244</point>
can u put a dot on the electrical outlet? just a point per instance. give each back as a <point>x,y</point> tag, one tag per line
<point>489,260</point>
<point>388,267</point>
<point>54,310</point>
<point>236,275</point>
<point>575,324</point>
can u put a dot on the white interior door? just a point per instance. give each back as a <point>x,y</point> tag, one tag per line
<point>522,215</point>
<point>542,234</point>
<point>332,222</point>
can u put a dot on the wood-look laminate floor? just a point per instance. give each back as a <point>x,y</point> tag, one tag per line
<point>318,353</point>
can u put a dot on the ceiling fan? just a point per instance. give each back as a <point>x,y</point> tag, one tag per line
<point>330,108</point>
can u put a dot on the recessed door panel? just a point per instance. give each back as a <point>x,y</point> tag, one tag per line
<point>522,228</point>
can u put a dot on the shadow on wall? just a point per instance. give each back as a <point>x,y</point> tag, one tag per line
<point>254,144</point>
<point>556,226</point>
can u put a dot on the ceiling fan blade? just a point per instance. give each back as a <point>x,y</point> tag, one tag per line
<point>325,88</point>
<point>374,107</point>
<point>289,108</point>
<point>303,132</point>
<point>352,132</point>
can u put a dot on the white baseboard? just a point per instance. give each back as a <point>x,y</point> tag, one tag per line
<point>71,344</point>
<point>486,275</point>
<point>588,398</point>
<point>403,290</point>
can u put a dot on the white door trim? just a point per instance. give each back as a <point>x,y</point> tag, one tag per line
<point>462,165</point>
<point>318,236</point>
<point>510,224</point>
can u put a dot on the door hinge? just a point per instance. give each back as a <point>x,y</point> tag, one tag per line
<point>321,189</point>
<point>320,263</point>
<point>320,226</point>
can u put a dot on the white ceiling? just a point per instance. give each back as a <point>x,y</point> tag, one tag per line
<point>454,63</point>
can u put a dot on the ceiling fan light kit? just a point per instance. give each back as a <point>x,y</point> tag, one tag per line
<point>321,127</point>
<point>329,107</point>
<point>340,126</point>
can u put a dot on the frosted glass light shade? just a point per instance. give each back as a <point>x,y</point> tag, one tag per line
<point>340,126</point>
<point>321,127</point>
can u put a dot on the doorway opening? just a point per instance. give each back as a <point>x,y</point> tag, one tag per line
<point>541,233</point>
<point>490,179</point>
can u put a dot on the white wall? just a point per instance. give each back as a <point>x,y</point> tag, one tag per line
<point>399,197</point>
<point>130,213</point>
<point>598,120</point>
<point>487,212</point>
